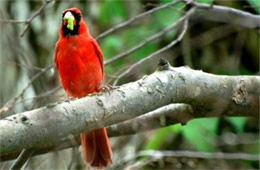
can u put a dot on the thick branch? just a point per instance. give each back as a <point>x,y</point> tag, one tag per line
<point>164,116</point>
<point>209,95</point>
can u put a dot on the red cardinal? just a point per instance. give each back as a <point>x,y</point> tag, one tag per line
<point>79,61</point>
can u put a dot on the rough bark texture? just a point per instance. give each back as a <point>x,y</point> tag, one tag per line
<point>208,95</point>
<point>164,116</point>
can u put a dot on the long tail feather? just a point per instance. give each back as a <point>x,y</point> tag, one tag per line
<point>96,148</point>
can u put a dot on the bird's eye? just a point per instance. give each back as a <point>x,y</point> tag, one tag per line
<point>78,16</point>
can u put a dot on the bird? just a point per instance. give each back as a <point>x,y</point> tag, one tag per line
<point>79,62</point>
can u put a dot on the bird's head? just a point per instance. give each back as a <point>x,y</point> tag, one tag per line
<point>72,22</point>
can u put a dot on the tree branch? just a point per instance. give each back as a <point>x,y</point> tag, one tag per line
<point>10,104</point>
<point>226,14</point>
<point>209,95</point>
<point>29,20</point>
<point>135,18</point>
<point>164,116</point>
<point>171,44</point>
<point>156,155</point>
<point>205,155</point>
<point>21,160</point>
<point>151,38</point>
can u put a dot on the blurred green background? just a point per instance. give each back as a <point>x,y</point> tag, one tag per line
<point>213,47</point>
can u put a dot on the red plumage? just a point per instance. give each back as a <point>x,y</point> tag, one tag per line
<point>79,62</point>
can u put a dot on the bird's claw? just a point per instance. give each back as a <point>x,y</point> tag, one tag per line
<point>108,88</point>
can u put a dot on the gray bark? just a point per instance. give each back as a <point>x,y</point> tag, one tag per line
<point>209,95</point>
<point>226,14</point>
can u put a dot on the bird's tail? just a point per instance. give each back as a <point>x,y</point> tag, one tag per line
<point>96,148</point>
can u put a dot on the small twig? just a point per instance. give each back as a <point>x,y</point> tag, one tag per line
<point>12,101</point>
<point>249,6</point>
<point>204,155</point>
<point>237,139</point>
<point>45,3</point>
<point>29,67</point>
<point>146,41</point>
<point>45,94</point>
<point>180,9</point>
<point>12,21</point>
<point>22,158</point>
<point>111,76</point>
<point>228,15</point>
<point>185,18</point>
<point>137,17</point>
<point>115,75</point>
<point>156,155</point>
<point>29,20</point>
<point>138,164</point>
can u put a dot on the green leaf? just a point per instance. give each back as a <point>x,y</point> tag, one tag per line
<point>205,1</point>
<point>143,52</point>
<point>168,16</point>
<point>201,132</point>
<point>161,135</point>
<point>238,122</point>
<point>136,35</point>
<point>255,4</point>
<point>158,139</point>
<point>176,128</point>
<point>111,46</point>
<point>112,12</point>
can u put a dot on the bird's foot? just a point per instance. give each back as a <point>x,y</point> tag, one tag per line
<point>107,88</point>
